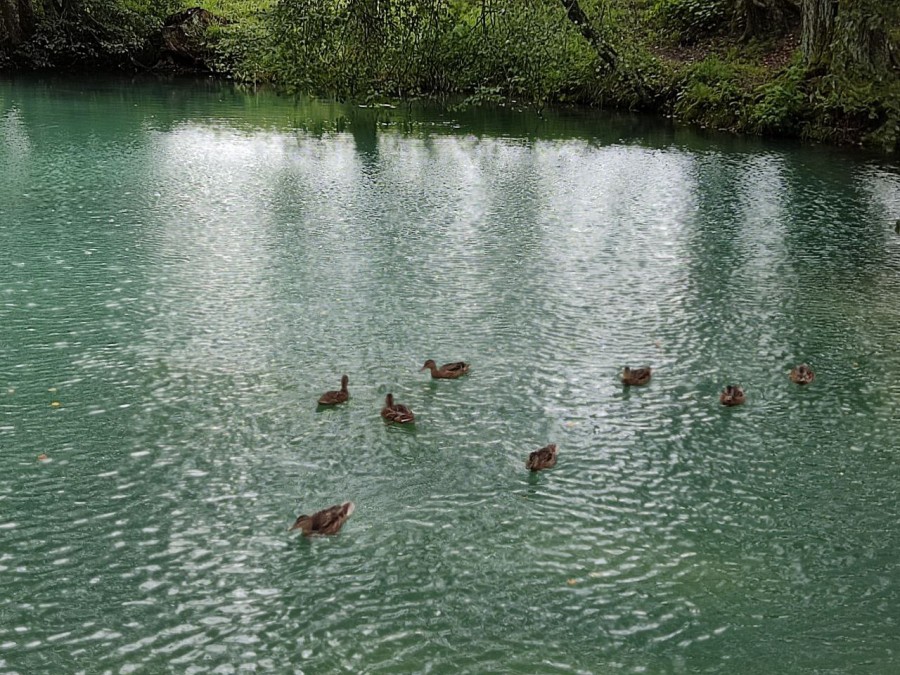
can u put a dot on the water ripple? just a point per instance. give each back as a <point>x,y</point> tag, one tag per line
<point>180,287</point>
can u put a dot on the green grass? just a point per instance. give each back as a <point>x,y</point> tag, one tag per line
<point>235,10</point>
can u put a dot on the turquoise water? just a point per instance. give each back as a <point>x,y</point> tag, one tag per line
<point>185,268</point>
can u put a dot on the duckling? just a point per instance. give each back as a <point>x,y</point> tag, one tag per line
<point>636,376</point>
<point>733,394</point>
<point>326,521</point>
<point>545,458</point>
<point>396,412</point>
<point>335,397</point>
<point>448,371</point>
<point>802,374</point>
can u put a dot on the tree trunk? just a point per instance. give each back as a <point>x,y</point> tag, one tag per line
<point>760,18</point>
<point>861,39</point>
<point>817,31</point>
<point>850,35</point>
<point>577,16</point>
<point>16,22</point>
<point>750,15</point>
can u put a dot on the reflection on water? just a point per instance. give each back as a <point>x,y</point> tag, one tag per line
<point>185,272</point>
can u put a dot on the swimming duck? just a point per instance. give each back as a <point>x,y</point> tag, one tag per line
<point>545,458</point>
<point>802,374</point>
<point>448,371</point>
<point>733,394</point>
<point>335,397</point>
<point>326,521</point>
<point>636,376</point>
<point>396,412</point>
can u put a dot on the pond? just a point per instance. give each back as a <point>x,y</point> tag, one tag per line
<point>186,266</point>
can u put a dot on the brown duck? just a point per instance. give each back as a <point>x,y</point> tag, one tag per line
<point>335,397</point>
<point>802,374</point>
<point>733,394</point>
<point>326,521</point>
<point>545,458</point>
<point>636,376</point>
<point>448,371</point>
<point>396,412</point>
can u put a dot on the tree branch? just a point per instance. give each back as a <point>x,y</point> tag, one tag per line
<point>577,16</point>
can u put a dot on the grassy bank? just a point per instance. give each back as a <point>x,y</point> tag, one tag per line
<point>726,64</point>
<point>691,60</point>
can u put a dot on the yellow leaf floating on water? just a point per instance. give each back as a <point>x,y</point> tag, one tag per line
<point>572,582</point>
<point>55,404</point>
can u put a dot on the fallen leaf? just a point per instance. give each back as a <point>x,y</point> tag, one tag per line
<point>42,457</point>
<point>55,404</point>
<point>572,582</point>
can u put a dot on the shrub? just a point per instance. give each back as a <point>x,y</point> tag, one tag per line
<point>782,105</point>
<point>715,93</point>
<point>692,20</point>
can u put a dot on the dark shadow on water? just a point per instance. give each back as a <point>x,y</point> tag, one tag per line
<point>325,408</point>
<point>394,428</point>
<point>534,477</point>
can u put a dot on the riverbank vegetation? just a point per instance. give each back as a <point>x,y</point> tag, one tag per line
<point>822,69</point>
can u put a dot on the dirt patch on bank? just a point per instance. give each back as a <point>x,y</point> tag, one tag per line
<point>774,57</point>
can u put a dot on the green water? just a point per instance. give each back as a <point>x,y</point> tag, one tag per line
<point>189,267</point>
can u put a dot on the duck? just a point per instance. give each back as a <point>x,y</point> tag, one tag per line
<point>335,397</point>
<point>636,376</point>
<point>545,458</point>
<point>802,374</point>
<point>326,521</point>
<point>731,395</point>
<point>448,371</point>
<point>396,412</point>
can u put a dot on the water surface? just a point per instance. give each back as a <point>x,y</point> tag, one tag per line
<point>185,268</point>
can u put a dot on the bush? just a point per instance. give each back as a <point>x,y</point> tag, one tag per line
<point>529,51</point>
<point>242,49</point>
<point>91,32</point>
<point>716,93</point>
<point>640,82</point>
<point>691,20</point>
<point>782,105</point>
<point>849,109</point>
